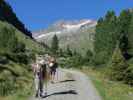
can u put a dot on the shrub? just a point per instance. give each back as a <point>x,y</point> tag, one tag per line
<point>128,79</point>
<point>6,88</point>
<point>18,57</point>
<point>100,58</point>
<point>120,70</point>
<point>6,83</point>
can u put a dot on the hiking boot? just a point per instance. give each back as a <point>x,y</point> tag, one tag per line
<point>43,95</point>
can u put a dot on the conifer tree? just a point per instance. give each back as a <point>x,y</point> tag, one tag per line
<point>69,51</point>
<point>88,55</point>
<point>130,37</point>
<point>118,65</point>
<point>55,44</point>
<point>124,21</point>
<point>105,37</point>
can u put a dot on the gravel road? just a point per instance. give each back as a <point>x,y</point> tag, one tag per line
<point>70,85</point>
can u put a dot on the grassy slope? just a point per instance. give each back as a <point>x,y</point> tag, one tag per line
<point>109,90</point>
<point>24,79</point>
<point>30,44</point>
<point>24,75</point>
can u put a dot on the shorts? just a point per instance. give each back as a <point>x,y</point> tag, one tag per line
<point>52,71</point>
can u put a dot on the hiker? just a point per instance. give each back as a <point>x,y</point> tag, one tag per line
<point>46,71</point>
<point>39,74</point>
<point>53,68</point>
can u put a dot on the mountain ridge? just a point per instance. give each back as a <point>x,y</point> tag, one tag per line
<point>75,34</point>
<point>65,25</point>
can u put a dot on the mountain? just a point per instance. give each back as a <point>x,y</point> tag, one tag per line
<point>77,34</point>
<point>8,15</point>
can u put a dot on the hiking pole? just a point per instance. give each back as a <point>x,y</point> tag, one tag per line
<point>32,84</point>
<point>46,79</point>
<point>57,74</point>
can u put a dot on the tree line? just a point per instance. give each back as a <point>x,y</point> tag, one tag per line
<point>113,45</point>
<point>112,30</point>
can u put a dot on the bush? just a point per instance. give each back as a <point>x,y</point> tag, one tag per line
<point>3,60</point>
<point>6,83</point>
<point>130,61</point>
<point>6,88</point>
<point>100,58</point>
<point>18,57</point>
<point>69,62</point>
<point>129,75</point>
<point>20,47</point>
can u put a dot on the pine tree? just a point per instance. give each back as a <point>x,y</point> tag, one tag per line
<point>124,21</point>
<point>118,65</point>
<point>130,37</point>
<point>69,51</point>
<point>55,44</point>
<point>88,55</point>
<point>105,36</point>
<point>61,52</point>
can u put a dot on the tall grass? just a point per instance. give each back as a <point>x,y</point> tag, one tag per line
<point>6,88</point>
<point>20,94</point>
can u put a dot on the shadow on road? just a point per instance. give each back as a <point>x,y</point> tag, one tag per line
<point>62,93</point>
<point>66,81</point>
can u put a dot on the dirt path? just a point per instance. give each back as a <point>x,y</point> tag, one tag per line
<point>71,85</point>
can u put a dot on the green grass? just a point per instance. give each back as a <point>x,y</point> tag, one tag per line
<point>30,43</point>
<point>24,81</point>
<point>24,94</point>
<point>107,89</point>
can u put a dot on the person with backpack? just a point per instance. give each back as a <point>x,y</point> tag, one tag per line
<point>53,68</point>
<point>39,69</point>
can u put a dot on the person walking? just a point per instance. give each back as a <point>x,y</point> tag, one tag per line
<point>38,70</point>
<point>53,68</point>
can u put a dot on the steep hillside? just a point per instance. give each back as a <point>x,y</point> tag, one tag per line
<point>31,44</point>
<point>15,72</point>
<point>17,49</point>
<point>77,35</point>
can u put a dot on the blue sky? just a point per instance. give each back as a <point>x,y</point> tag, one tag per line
<point>39,14</point>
